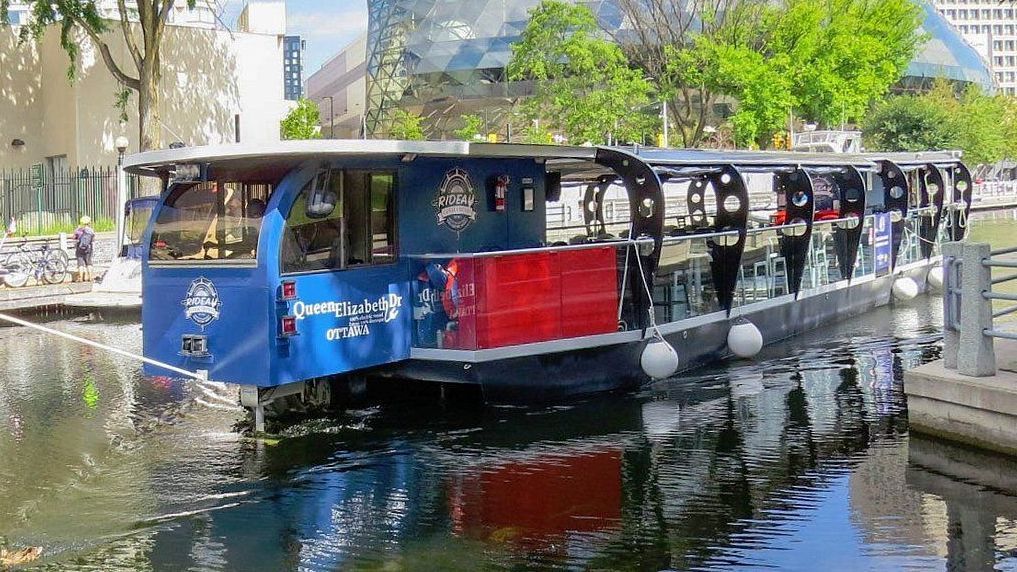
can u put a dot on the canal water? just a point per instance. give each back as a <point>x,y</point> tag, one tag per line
<point>800,459</point>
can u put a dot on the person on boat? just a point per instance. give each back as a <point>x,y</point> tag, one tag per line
<point>83,249</point>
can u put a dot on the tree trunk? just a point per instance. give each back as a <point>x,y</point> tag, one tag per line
<point>149,124</point>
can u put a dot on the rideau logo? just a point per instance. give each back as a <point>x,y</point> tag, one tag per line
<point>201,304</point>
<point>455,202</point>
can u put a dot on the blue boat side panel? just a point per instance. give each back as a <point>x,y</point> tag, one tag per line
<point>220,303</point>
<point>346,321</point>
<point>350,319</point>
<point>420,184</point>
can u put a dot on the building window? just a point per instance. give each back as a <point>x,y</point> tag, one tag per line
<point>341,219</point>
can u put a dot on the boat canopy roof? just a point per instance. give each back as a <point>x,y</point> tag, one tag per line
<point>273,160</point>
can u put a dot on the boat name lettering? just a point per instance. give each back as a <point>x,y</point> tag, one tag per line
<point>387,308</point>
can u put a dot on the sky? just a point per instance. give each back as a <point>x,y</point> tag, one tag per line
<point>326,25</point>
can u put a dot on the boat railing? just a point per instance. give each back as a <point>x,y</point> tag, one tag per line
<point>484,300</point>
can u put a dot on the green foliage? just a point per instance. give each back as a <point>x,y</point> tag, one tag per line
<point>764,94</point>
<point>825,61</point>
<point>55,227</point>
<point>535,135</point>
<point>303,121</point>
<point>908,123</point>
<point>406,126</point>
<point>473,126</point>
<point>841,55</point>
<point>585,86</point>
<point>983,126</point>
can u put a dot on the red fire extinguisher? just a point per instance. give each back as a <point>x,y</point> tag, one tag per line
<point>500,192</point>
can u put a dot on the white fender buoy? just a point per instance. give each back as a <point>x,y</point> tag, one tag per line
<point>935,278</point>
<point>744,339</point>
<point>659,359</point>
<point>905,288</point>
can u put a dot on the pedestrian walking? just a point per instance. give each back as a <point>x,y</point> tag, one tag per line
<point>83,250</point>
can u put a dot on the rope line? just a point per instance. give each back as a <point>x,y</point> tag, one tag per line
<point>649,298</point>
<point>199,375</point>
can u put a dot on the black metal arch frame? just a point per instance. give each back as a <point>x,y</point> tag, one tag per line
<point>958,219</point>
<point>594,196</point>
<point>847,234</point>
<point>800,208</point>
<point>646,211</point>
<point>896,191</point>
<point>732,215</point>
<point>929,225</point>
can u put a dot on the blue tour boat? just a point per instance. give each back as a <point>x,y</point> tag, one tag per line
<point>293,267</point>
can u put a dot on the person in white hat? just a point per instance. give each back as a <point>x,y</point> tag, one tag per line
<point>83,250</point>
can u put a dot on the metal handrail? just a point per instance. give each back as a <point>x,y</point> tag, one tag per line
<point>542,249</point>
<point>968,298</point>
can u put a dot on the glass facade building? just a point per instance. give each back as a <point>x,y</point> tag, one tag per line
<point>445,59</point>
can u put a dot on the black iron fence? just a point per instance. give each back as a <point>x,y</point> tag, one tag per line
<point>46,201</point>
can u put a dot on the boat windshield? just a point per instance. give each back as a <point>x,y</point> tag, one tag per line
<point>138,214</point>
<point>214,220</point>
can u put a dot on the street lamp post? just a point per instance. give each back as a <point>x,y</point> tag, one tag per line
<point>331,117</point>
<point>663,114</point>
<point>121,144</point>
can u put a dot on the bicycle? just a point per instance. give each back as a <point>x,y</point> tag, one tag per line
<point>45,265</point>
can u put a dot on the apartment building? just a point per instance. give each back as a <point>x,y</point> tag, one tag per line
<point>990,27</point>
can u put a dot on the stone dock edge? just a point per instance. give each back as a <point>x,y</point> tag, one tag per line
<point>976,411</point>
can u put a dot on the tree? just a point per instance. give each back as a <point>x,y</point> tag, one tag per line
<point>983,126</point>
<point>908,123</point>
<point>407,126</point>
<point>827,61</point>
<point>585,86</point>
<point>841,55</point>
<point>674,42</point>
<point>303,121</point>
<point>143,70</point>
<point>473,126</point>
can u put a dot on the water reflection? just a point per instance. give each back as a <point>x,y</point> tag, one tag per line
<point>800,459</point>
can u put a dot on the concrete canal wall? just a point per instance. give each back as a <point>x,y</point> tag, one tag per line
<point>979,411</point>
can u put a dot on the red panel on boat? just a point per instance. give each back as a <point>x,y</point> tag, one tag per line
<point>589,297</point>
<point>518,299</point>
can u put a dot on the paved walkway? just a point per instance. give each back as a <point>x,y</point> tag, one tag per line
<point>31,297</point>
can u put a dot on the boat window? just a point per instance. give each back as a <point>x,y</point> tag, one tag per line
<point>215,220</point>
<point>341,219</point>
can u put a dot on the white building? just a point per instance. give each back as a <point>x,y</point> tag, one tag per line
<point>216,85</point>
<point>203,15</point>
<point>990,27</point>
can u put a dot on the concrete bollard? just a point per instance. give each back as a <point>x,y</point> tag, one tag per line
<point>952,253</point>
<point>976,355</point>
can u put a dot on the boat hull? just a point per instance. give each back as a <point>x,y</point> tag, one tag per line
<point>615,366</point>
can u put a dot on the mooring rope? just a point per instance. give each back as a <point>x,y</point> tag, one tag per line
<point>649,297</point>
<point>199,375</point>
